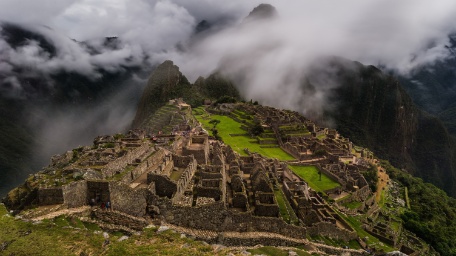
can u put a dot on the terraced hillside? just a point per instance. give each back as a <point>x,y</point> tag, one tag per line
<point>235,133</point>
<point>167,117</point>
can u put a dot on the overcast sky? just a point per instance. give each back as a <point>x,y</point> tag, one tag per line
<point>398,34</point>
<point>268,59</point>
<point>271,55</point>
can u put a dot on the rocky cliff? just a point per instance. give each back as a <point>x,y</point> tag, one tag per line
<point>375,111</point>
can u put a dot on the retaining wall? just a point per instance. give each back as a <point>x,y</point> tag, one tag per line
<point>128,200</point>
<point>75,194</point>
<point>50,196</point>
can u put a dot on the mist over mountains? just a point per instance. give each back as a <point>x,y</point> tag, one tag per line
<point>76,69</point>
<point>56,98</point>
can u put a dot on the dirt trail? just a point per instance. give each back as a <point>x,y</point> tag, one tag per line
<point>382,182</point>
<point>49,212</point>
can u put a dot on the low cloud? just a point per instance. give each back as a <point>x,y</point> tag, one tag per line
<point>272,61</point>
<point>59,130</point>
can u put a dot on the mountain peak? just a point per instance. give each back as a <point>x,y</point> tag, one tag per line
<point>262,11</point>
<point>163,83</point>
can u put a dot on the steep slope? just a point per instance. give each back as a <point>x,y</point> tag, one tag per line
<point>433,87</point>
<point>376,112</point>
<point>166,82</point>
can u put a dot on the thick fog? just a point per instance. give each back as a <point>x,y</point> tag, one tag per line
<point>268,58</point>
<point>272,55</point>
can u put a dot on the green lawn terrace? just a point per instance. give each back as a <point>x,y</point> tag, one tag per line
<point>233,135</point>
<point>294,130</point>
<point>316,179</point>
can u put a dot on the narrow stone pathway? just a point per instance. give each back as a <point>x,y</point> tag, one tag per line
<point>54,214</point>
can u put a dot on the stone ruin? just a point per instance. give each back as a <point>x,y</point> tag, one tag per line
<point>195,182</point>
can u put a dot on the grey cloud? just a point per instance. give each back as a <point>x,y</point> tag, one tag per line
<point>270,60</point>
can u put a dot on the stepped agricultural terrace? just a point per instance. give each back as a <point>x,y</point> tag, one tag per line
<point>186,178</point>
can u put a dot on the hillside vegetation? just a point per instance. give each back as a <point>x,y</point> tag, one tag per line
<point>375,112</point>
<point>432,214</point>
<point>70,236</point>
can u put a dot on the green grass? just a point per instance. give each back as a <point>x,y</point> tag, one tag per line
<point>273,251</point>
<point>352,244</point>
<point>353,205</point>
<point>175,175</point>
<point>407,200</point>
<point>298,134</point>
<point>311,176</point>
<point>382,201</point>
<point>61,221</point>
<point>229,126</point>
<point>321,136</point>
<point>371,240</point>
<point>91,226</point>
<point>59,237</point>
<point>285,209</point>
<point>120,175</point>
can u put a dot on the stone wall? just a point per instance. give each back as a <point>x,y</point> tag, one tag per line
<point>75,194</point>
<point>151,163</point>
<point>198,146</point>
<point>119,218</point>
<point>253,241</point>
<point>381,238</point>
<point>120,163</point>
<point>361,194</point>
<point>163,185</point>
<point>330,230</point>
<point>267,210</point>
<point>166,168</point>
<point>98,190</point>
<point>210,175</point>
<point>50,196</point>
<point>185,179</point>
<point>266,205</point>
<point>217,218</point>
<point>240,200</point>
<point>182,161</point>
<point>292,150</point>
<point>128,200</point>
<point>212,192</point>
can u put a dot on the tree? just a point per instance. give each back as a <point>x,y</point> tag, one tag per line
<point>256,129</point>
<point>225,99</point>
<point>214,122</point>
<point>215,134</point>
